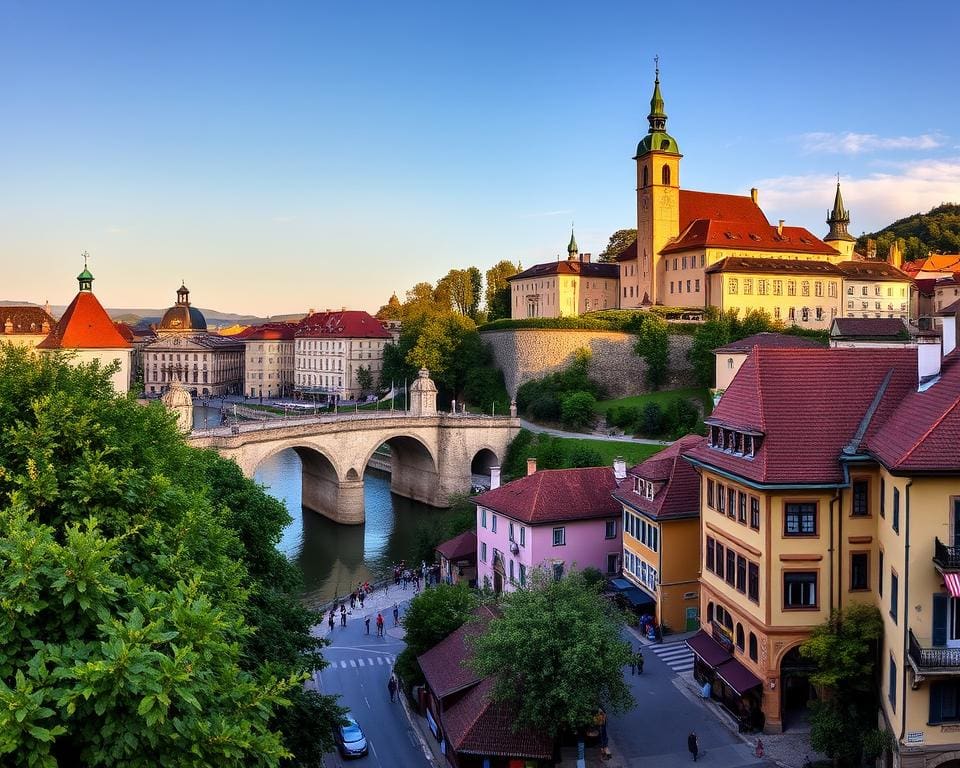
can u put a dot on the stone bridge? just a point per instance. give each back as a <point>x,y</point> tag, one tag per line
<point>432,454</point>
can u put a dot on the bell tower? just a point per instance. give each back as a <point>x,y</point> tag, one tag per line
<point>838,220</point>
<point>658,197</point>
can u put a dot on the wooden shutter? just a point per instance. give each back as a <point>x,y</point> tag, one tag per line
<point>935,715</point>
<point>941,603</point>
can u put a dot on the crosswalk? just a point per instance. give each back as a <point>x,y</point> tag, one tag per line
<point>365,661</point>
<point>675,655</point>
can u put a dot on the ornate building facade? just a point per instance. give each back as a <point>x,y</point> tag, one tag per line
<point>268,359</point>
<point>25,325</point>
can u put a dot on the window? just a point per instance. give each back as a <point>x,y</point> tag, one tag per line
<point>944,702</point>
<point>805,314</point>
<point>753,647</point>
<point>832,290</point>
<point>740,637</point>
<point>883,498</point>
<point>710,491</point>
<point>611,530</point>
<point>894,594</point>
<point>646,177</point>
<point>859,571</point>
<point>559,536</point>
<point>483,551</point>
<point>880,572</point>
<point>800,589</point>
<point>741,573</point>
<point>523,536</point>
<point>721,496</point>
<point>895,520</point>
<point>748,286</point>
<point>805,288</point>
<point>493,523</point>
<point>731,567</point>
<point>791,288</point>
<point>742,507</point>
<point>510,534</point>
<point>755,513</point>
<point>763,286</point>
<point>665,175</point>
<point>800,519</point>
<point>791,313</point>
<point>710,553</point>
<point>892,684</point>
<point>776,313</point>
<point>696,284</point>
<point>778,287</point>
<point>557,571</point>
<point>511,571</point>
<point>612,562</point>
<point>753,582</point>
<point>719,570</point>
<point>732,285</point>
<point>818,288</point>
<point>861,507</point>
<point>731,502</point>
<point>483,517</point>
<point>523,575</point>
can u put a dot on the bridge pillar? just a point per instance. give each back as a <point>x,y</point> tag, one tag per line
<point>327,495</point>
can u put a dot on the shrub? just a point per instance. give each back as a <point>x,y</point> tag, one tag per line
<point>681,418</point>
<point>578,410</point>
<point>651,422</point>
<point>653,346</point>
<point>584,456</point>
<point>625,417</point>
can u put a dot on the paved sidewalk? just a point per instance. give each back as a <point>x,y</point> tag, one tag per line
<point>590,436</point>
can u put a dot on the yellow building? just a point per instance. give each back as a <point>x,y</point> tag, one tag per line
<point>564,288</point>
<point>25,325</point>
<point>661,510</point>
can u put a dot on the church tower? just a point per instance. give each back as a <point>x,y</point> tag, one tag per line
<point>573,251</point>
<point>658,197</point>
<point>838,219</point>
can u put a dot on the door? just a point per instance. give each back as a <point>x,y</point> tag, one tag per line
<point>943,614</point>
<point>692,619</point>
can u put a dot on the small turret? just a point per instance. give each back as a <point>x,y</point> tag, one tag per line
<point>838,220</point>
<point>85,278</point>
<point>572,249</point>
<point>657,138</point>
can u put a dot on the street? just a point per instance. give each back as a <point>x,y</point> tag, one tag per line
<point>360,667</point>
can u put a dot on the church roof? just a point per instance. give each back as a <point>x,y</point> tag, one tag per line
<point>747,236</point>
<point>267,332</point>
<point>85,325</point>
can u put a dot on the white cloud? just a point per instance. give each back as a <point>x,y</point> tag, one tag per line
<point>874,200</point>
<point>850,143</point>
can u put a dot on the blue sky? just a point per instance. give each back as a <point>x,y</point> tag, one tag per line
<point>281,156</point>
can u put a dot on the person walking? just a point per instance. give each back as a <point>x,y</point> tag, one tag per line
<point>392,687</point>
<point>330,621</point>
<point>639,662</point>
<point>379,625</point>
<point>343,616</point>
<point>633,663</point>
<point>396,615</point>
<point>693,746</point>
<point>353,600</point>
<point>361,599</point>
<point>366,623</point>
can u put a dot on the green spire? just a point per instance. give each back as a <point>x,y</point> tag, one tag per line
<point>838,219</point>
<point>658,116</point>
<point>85,278</point>
<point>572,249</point>
<point>657,138</point>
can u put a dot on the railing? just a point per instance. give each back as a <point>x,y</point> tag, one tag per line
<point>946,557</point>
<point>934,657</point>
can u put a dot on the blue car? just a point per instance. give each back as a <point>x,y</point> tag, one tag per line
<point>350,738</point>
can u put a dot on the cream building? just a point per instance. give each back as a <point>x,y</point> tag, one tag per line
<point>87,334</point>
<point>564,288</point>
<point>268,367</point>
<point>25,325</point>
<point>330,348</point>
<point>204,363</point>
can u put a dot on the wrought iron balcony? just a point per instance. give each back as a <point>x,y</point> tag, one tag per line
<point>929,659</point>
<point>944,557</point>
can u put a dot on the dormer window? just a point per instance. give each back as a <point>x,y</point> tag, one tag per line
<point>648,490</point>
<point>637,485</point>
<point>736,442</point>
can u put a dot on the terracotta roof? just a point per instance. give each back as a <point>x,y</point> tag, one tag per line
<point>475,724</point>
<point>25,319</point>
<point>679,497</point>
<point>808,405</point>
<point>869,328</point>
<point>444,666</point>
<point>872,270</point>
<point>84,325</point>
<point>460,547</point>
<point>552,495</point>
<point>711,205</point>
<point>629,253</point>
<point>747,236</point>
<point>769,340</point>
<point>750,264</point>
<point>267,332</point>
<point>345,324</point>
<point>923,434</point>
<point>569,267</point>
<point>937,262</point>
<point>125,330</point>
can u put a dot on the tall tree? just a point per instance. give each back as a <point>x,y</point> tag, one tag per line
<point>476,285</point>
<point>365,380</point>
<point>617,242</point>
<point>653,345</point>
<point>498,289</point>
<point>458,285</point>
<point>556,680</point>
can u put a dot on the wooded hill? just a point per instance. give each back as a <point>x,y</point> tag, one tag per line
<point>921,234</point>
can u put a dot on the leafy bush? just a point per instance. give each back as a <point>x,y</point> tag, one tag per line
<point>653,346</point>
<point>625,417</point>
<point>542,399</point>
<point>681,418</point>
<point>584,456</point>
<point>578,410</point>
<point>652,421</point>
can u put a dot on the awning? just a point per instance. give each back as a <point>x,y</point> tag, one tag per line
<point>738,677</point>
<point>952,580</point>
<point>708,649</point>
<point>636,596</point>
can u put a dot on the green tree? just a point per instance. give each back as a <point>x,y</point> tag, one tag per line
<point>722,328</point>
<point>365,380</point>
<point>459,285</point>
<point>156,624</point>
<point>578,410</point>
<point>392,310</point>
<point>844,651</point>
<point>498,289</point>
<point>618,241</point>
<point>584,456</point>
<point>556,680</point>
<point>476,286</point>
<point>653,345</point>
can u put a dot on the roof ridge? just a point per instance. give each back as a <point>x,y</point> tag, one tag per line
<point>763,420</point>
<point>936,423</point>
<point>854,444</point>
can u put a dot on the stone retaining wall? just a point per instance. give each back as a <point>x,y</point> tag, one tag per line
<point>524,354</point>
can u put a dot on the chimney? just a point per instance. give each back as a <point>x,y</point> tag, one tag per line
<point>949,334</point>
<point>780,228</point>
<point>531,465</point>
<point>928,360</point>
<point>754,195</point>
<point>619,469</point>
<point>494,478</point>
<point>584,258</point>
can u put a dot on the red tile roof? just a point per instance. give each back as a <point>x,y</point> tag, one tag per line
<point>85,325</point>
<point>808,404</point>
<point>346,324</point>
<point>869,328</point>
<point>25,319</point>
<point>552,495</point>
<point>751,264</point>
<point>125,330</point>
<point>769,340</point>
<point>923,434</point>
<point>268,332</point>
<point>459,547</point>
<point>629,253</point>
<point>747,236</point>
<point>711,205</point>
<point>568,267</point>
<point>444,666</point>
<point>872,270</point>
<point>679,497</point>
<point>938,262</point>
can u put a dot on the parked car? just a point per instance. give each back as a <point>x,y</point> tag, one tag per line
<point>350,739</point>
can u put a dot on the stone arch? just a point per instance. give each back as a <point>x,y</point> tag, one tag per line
<point>946,760</point>
<point>305,449</point>
<point>404,441</point>
<point>414,469</point>
<point>483,460</point>
<point>352,474</point>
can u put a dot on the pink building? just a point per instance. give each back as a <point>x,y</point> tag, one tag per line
<point>555,518</point>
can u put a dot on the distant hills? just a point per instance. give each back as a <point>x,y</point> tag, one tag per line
<point>937,231</point>
<point>137,315</point>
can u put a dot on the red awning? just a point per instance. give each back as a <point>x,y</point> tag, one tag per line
<point>738,677</point>
<point>952,580</point>
<point>708,649</point>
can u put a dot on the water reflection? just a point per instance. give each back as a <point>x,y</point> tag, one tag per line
<point>332,557</point>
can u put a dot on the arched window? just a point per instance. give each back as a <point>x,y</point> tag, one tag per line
<point>646,179</point>
<point>753,647</point>
<point>709,612</point>
<point>730,363</point>
<point>740,637</point>
<point>666,175</point>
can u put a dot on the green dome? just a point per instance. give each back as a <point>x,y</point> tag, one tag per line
<point>85,275</point>
<point>658,141</point>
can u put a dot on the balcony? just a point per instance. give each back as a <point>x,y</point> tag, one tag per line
<point>944,557</point>
<point>929,659</point>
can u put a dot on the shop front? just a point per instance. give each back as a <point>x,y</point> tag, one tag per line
<point>724,679</point>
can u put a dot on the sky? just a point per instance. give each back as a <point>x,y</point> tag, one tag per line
<point>279,156</point>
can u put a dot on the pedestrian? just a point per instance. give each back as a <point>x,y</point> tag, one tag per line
<point>639,660</point>
<point>379,625</point>
<point>330,621</point>
<point>361,599</point>
<point>692,745</point>
<point>366,623</point>
<point>343,616</point>
<point>633,663</point>
<point>353,600</point>
<point>396,615</point>
<point>392,687</point>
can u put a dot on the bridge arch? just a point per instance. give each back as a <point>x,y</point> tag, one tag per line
<point>483,460</point>
<point>414,471</point>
